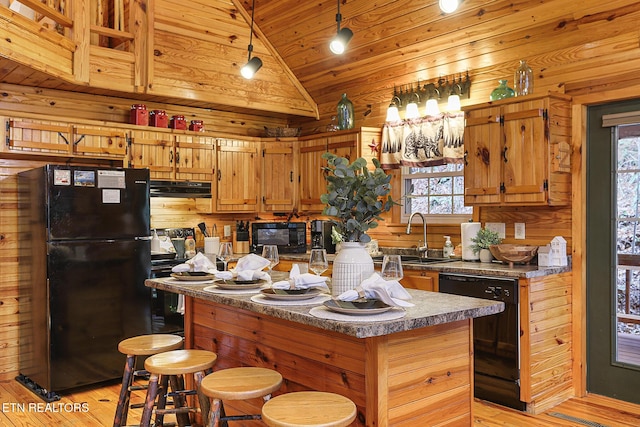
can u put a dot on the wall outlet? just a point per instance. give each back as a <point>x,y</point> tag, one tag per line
<point>497,227</point>
<point>519,230</point>
<point>227,231</point>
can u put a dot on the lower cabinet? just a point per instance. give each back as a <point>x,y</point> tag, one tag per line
<point>420,279</point>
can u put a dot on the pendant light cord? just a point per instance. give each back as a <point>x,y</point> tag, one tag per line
<point>250,47</point>
<point>338,17</point>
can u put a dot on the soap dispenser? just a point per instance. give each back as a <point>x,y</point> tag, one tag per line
<point>155,242</point>
<point>447,250</point>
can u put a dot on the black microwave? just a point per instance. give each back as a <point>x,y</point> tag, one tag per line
<point>290,237</point>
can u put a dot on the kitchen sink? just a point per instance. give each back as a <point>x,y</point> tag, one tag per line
<point>414,259</point>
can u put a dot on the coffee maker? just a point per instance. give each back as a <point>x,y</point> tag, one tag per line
<point>321,236</point>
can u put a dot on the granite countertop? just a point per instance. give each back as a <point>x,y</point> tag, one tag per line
<point>458,266</point>
<point>431,308</point>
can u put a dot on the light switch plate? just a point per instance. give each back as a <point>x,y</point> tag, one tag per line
<point>497,227</point>
<point>519,230</point>
<point>227,231</point>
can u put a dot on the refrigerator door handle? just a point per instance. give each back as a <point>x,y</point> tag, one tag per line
<point>143,238</point>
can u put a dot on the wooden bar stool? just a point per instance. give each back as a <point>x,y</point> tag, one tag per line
<point>309,408</point>
<point>238,384</point>
<point>143,345</point>
<point>174,365</point>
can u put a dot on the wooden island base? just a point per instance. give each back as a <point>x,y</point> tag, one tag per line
<point>419,377</point>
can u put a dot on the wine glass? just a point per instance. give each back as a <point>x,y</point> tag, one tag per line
<point>270,252</point>
<point>318,261</point>
<point>392,267</point>
<point>226,252</point>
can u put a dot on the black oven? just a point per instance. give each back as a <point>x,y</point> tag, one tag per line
<point>290,237</point>
<point>164,305</point>
<point>496,338</point>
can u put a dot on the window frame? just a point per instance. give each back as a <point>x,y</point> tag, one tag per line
<point>406,176</point>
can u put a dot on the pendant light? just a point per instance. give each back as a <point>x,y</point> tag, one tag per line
<point>449,6</point>
<point>253,64</point>
<point>339,43</point>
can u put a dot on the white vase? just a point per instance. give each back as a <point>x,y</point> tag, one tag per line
<point>485,255</point>
<point>351,266</point>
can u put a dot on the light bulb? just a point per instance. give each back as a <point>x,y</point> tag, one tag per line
<point>449,6</point>
<point>432,107</point>
<point>453,103</point>
<point>251,67</point>
<point>393,115</point>
<point>339,43</point>
<point>412,111</point>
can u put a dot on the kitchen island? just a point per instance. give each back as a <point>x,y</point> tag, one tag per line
<point>413,370</point>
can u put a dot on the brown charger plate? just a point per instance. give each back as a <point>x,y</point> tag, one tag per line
<point>290,294</point>
<point>358,307</point>
<point>192,276</point>
<point>239,284</point>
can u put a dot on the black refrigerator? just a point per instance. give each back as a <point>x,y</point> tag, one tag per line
<point>85,253</point>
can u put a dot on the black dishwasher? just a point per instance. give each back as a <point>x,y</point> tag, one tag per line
<point>496,338</point>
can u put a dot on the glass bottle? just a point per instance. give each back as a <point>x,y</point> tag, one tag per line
<point>523,79</point>
<point>345,113</point>
<point>502,91</point>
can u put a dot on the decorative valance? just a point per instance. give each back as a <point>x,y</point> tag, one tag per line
<point>426,141</point>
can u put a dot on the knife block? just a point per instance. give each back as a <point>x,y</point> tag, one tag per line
<point>240,246</point>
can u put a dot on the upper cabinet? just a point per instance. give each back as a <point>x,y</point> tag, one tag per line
<point>518,152</point>
<point>362,142</point>
<point>173,156</point>
<point>237,181</point>
<point>279,176</point>
<point>34,136</point>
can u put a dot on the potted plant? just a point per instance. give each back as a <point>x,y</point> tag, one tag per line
<point>355,198</point>
<point>485,238</point>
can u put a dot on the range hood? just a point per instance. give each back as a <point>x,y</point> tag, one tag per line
<point>180,189</point>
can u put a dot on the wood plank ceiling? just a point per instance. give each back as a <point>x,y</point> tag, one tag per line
<point>400,42</point>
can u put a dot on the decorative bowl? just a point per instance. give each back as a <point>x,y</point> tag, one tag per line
<point>513,253</point>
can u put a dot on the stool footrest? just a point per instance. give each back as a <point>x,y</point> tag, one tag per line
<point>138,387</point>
<point>240,417</point>
<point>182,393</point>
<point>183,410</point>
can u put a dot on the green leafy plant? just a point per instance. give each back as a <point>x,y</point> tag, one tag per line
<point>355,196</point>
<point>484,238</point>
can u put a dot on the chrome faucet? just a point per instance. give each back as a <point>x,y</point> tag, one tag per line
<point>421,249</point>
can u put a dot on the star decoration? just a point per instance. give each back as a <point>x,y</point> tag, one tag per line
<point>373,146</point>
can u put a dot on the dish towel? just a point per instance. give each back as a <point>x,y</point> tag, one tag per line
<point>390,292</point>
<point>301,281</point>
<point>249,267</point>
<point>198,263</point>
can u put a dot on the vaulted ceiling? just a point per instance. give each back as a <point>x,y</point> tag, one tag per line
<point>401,42</point>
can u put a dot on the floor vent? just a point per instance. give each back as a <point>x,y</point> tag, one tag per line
<point>580,421</point>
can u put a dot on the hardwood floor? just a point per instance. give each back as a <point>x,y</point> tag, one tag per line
<point>95,407</point>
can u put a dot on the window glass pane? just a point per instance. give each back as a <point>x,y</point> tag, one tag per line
<point>458,185</point>
<point>459,207</point>
<point>628,194</point>
<point>440,205</point>
<point>440,185</point>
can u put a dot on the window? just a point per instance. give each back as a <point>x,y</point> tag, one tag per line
<point>436,191</point>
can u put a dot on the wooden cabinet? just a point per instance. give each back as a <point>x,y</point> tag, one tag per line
<point>173,157</point>
<point>420,279</point>
<point>237,181</point>
<point>279,176</point>
<point>363,142</point>
<point>518,152</point>
<point>42,137</point>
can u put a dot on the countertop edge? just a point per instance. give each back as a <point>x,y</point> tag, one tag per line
<point>431,308</point>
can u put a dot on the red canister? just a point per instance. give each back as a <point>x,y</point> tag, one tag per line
<point>139,115</point>
<point>158,118</point>
<point>178,122</point>
<point>197,125</point>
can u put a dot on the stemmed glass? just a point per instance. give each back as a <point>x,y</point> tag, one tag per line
<point>270,252</point>
<point>318,261</point>
<point>391,267</point>
<point>226,252</point>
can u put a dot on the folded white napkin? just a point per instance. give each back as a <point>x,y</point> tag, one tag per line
<point>390,292</point>
<point>249,267</point>
<point>198,263</point>
<point>301,281</point>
